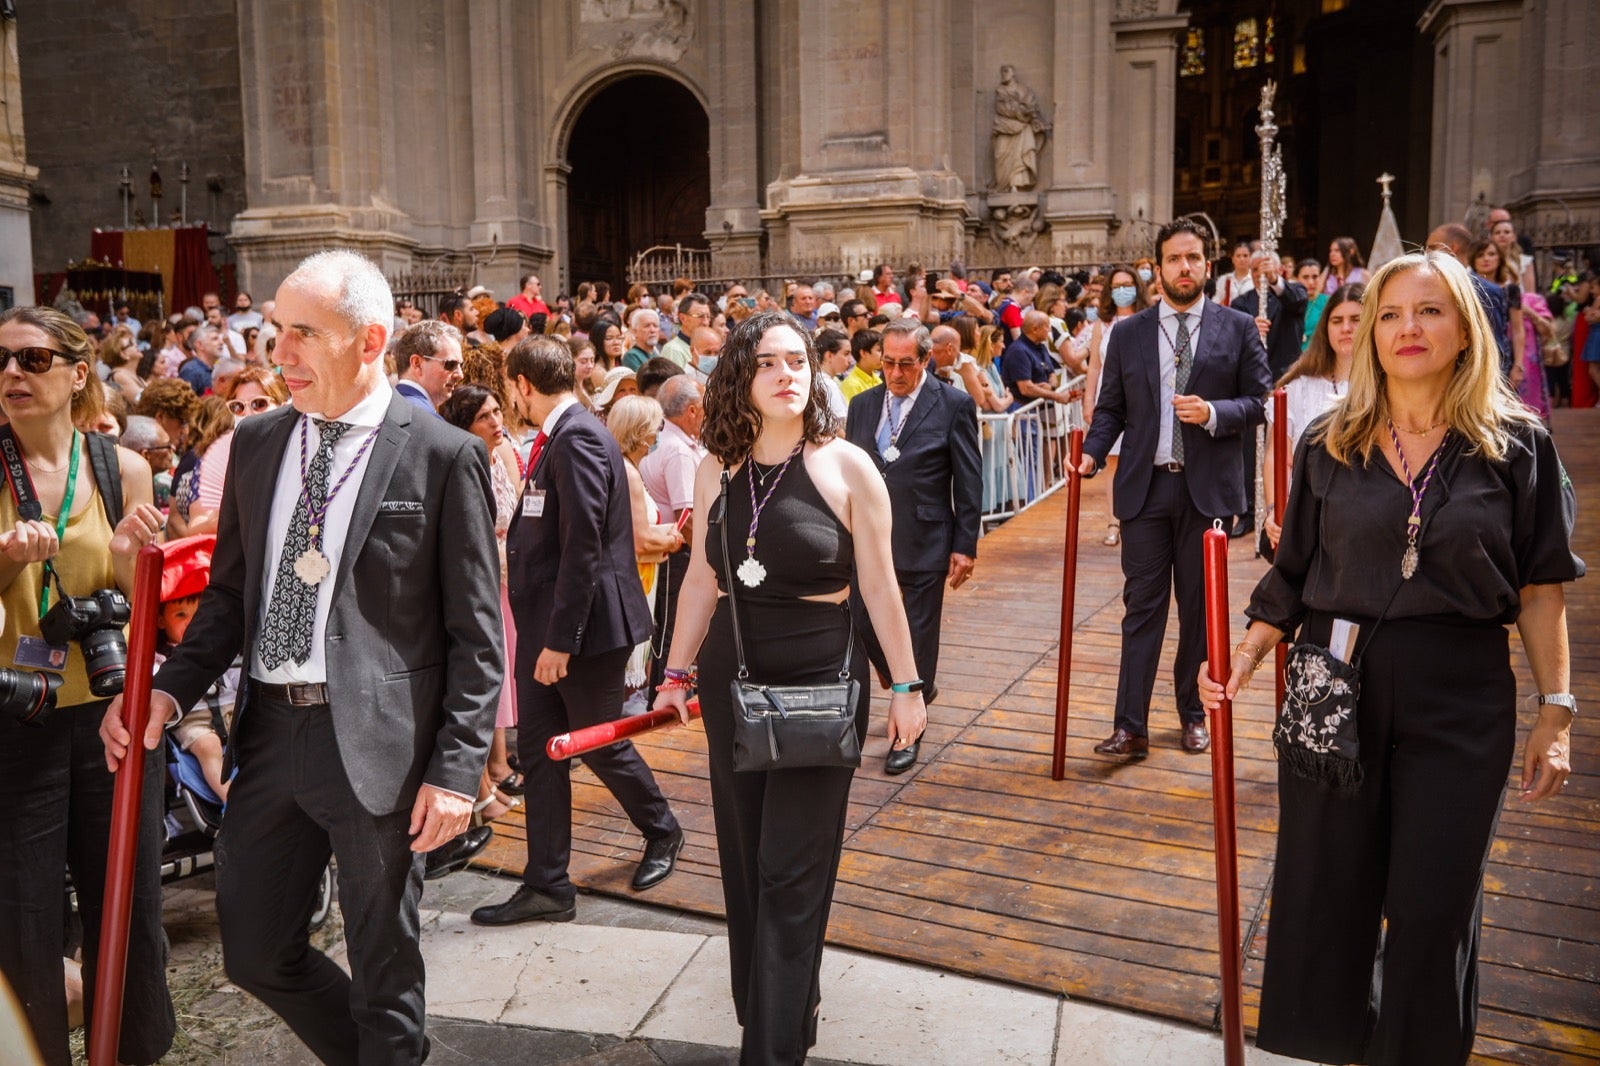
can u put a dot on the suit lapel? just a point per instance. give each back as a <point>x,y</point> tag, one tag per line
<point>1150,341</point>
<point>1210,325</point>
<point>925,404</point>
<point>392,437</point>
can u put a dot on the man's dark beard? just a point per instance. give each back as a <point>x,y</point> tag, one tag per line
<point>1171,297</point>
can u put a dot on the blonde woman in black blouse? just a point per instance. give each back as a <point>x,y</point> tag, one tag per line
<point>1432,500</point>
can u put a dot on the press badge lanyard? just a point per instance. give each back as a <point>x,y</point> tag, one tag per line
<point>28,507</point>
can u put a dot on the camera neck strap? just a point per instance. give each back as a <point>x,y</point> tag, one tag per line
<point>28,506</point>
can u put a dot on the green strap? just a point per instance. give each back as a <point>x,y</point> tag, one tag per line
<point>61,519</point>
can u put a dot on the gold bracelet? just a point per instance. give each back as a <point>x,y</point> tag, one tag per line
<point>1245,648</point>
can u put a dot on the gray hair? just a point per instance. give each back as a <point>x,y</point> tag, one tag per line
<point>677,394</point>
<point>225,366</point>
<point>143,433</point>
<point>645,313</point>
<point>364,299</point>
<point>208,330</point>
<point>424,339</point>
<point>915,328</point>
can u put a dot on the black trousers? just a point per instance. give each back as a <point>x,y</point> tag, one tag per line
<point>289,808</point>
<point>1372,950</point>
<point>922,591</point>
<point>779,834</point>
<point>666,615</point>
<point>1162,553</point>
<point>55,815</point>
<point>591,693</point>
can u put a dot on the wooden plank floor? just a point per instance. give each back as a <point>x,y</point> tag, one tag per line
<point>1101,886</point>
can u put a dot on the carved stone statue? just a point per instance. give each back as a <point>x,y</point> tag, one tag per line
<point>1018,133</point>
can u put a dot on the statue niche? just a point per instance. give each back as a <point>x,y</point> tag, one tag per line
<point>1018,134</point>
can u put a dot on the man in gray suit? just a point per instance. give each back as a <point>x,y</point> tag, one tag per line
<point>356,567</point>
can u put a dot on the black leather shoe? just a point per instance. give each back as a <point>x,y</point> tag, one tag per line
<point>1122,742</point>
<point>903,759</point>
<point>1195,737</point>
<point>1242,527</point>
<point>660,856</point>
<point>526,905</point>
<point>454,854</point>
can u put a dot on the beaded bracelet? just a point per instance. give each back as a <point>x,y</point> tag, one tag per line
<point>673,683</point>
<point>674,674</point>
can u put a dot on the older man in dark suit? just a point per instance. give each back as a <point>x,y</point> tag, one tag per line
<point>1183,383</point>
<point>923,434</point>
<point>356,566</point>
<point>573,585</point>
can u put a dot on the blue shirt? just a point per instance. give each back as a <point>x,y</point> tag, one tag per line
<point>197,374</point>
<point>1024,361</point>
<point>1498,308</point>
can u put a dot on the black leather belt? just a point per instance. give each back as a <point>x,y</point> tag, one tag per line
<point>1171,468</point>
<point>315,695</point>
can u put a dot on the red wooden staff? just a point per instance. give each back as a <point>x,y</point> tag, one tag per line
<point>111,969</point>
<point>594,737</point>
<point>1280,500</point>
<point>1222,807</point>
<point>1069,584</point>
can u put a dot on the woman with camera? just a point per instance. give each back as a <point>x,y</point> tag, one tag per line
<point>74,514</point>
<point>793,514</point>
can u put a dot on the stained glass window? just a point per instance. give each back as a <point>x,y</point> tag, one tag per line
<point>1194,54</point>
<point>1246,44</point>
<point>1269,49</point>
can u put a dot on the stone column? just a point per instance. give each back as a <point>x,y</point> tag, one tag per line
<point>320,137</point>
<point>1556,182</point>
<point>1144,78</point>
<point>16,178</point>
<point>734,108</point>
<point>1477,109</point>
<point>1084,148</point>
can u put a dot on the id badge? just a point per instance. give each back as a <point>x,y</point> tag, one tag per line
<point>34,653</point>
<point>533,504</point>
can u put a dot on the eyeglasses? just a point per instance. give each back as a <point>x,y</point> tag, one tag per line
<point>832,318</point>
<point>164,449</point>
<point>901,364</point>
<point>32,360</point>
<point>255,406</point>
<point>450,365</point>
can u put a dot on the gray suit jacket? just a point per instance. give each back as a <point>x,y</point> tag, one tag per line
<point>414,637</point>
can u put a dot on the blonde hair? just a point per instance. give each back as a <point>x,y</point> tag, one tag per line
<point>1479,405</point>
<point>631,419</point>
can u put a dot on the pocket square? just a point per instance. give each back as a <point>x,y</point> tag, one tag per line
<point>400,507</point>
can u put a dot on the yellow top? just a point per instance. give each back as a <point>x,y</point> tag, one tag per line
<point>84,566</point>
<point>856,382</point>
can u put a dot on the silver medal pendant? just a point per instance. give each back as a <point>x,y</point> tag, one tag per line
<point>751,572</point>
<point>311,566</point>
<point>891,453</point>
<point>1408,562</point>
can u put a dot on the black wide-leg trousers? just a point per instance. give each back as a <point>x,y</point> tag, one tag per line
<point>779,833</point>
<point>1372,949</point>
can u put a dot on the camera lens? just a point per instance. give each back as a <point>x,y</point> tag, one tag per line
<point>105,660</point>
<point>28,696</point>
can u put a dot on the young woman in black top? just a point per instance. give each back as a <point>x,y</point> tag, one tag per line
<point>1432,486</point>
<point>806,512</point>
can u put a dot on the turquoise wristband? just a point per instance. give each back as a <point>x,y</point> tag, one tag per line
<point>907,686</point>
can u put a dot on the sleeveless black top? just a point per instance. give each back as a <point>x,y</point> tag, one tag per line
<point>802,544</point>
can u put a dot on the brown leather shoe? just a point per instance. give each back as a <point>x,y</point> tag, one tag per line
<point>1195,737</point>
<point>1122,742</point>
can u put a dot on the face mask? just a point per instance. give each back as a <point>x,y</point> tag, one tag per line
<point>707,363</point>
<point>1122,295</point>
<point>1091,314</point>
<point>1144,275</point>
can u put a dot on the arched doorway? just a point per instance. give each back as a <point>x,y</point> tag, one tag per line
<point>641,176</point>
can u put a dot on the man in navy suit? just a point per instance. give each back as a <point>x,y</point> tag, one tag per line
<point>1183,383</point>
<point>573,585</point>
<point>923,434</point>
<point>428,355</point>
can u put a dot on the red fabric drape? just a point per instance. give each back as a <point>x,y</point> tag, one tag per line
<point>191,271</point>
<point>186,248</point>
<point>105,245</point>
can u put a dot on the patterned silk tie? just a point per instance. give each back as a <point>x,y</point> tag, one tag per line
<point>1184,358</point>
<point>292,614</point>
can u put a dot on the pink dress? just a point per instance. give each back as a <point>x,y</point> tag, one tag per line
<point>505,501</point>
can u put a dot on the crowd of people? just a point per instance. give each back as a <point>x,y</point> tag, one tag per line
<point>554,497</point>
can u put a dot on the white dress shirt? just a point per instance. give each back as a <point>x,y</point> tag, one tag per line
<point>1167,327</point>
<point>365,418</point>
<point>905,405</point>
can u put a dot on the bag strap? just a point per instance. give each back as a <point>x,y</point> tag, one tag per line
<point>28,506</point>
<point>107,474</point>
<point>733,600</point>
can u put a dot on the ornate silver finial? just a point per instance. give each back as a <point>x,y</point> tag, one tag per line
<point>1386,179</point>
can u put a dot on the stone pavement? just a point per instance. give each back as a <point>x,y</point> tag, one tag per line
<point>628,984</point>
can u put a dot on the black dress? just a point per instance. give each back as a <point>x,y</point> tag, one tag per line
<point>1377,896</point>
<point>779,834</point>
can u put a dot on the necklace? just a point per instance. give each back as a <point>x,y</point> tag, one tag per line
<point>1412,558</point>
<point>311,565</point>
<point>1417,432</point>
<point>751,572</point>
<point>892,452</point>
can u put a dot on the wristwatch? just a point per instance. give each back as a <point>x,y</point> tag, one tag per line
<point>908,686</point>
<point>1560,699</point>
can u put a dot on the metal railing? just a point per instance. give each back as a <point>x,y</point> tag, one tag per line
<point>1025,454</point>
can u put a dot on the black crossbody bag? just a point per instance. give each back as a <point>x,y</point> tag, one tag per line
<point>785,727</point>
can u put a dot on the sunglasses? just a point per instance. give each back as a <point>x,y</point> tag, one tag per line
<point>450,365</point>
<point>255,406</point>
<point>32,360</point>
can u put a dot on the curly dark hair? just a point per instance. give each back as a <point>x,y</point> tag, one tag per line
<point>732,421</point>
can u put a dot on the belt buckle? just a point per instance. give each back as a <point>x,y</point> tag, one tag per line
<point>306,695</point>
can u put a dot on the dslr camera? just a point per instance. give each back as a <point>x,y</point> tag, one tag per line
<point>28,696</point>
<point>96,623</point>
